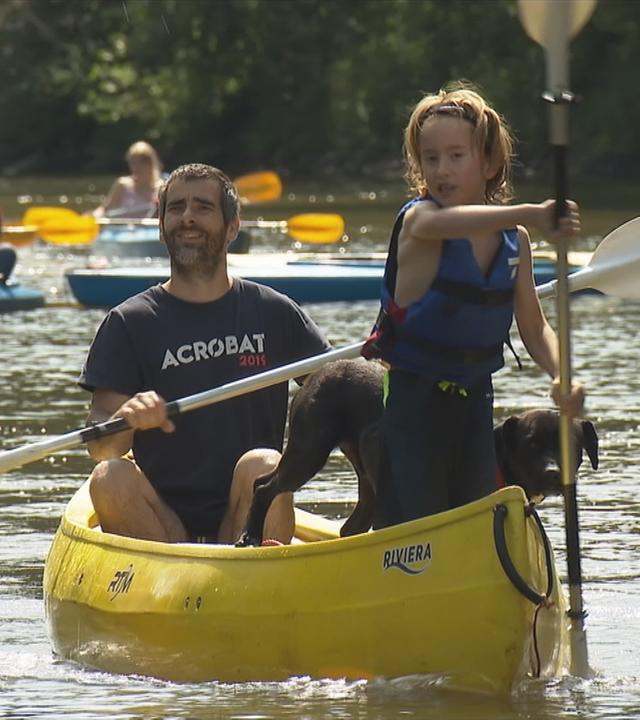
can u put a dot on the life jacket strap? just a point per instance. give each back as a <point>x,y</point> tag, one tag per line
<point>454,355</point>
<point>384,332</point>
<point>472,293</point>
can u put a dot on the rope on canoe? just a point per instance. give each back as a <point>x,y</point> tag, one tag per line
<point>499,518</point>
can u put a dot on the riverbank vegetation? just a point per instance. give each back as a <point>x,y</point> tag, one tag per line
<point>304,86</point>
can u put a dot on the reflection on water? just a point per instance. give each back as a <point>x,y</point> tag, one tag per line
<point>40,356</point>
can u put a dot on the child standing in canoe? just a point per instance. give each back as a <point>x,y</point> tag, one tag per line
<point>459,267</point>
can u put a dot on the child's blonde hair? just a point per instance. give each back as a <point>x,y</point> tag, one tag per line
<point>491,136</point>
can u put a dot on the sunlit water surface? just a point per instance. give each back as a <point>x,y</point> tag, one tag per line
<point>40,356</point>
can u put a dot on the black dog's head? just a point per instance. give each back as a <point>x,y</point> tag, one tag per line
<point>528,450</point>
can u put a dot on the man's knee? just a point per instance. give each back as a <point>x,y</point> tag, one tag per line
<point>111,479</point>
<point>255,463</point>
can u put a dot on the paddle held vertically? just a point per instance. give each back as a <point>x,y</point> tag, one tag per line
<point>552,24</point>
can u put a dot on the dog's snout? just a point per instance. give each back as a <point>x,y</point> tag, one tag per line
<point>551,479</point>
<point>552,474</point>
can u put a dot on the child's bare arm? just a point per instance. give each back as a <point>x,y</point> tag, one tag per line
<point>426,221</point>
<point>538,336</point>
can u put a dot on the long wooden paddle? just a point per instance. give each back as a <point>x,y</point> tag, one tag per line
<point>63,226</point>
<point>10,459</point>
<point>552,24</point>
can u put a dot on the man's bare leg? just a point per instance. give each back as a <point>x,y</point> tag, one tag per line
<point>280,521</point>
<point>127,504</point>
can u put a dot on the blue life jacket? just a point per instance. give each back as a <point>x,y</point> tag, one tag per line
<point>457,329</point>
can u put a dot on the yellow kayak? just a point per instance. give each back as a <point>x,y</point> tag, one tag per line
<point>19,235</point>
<point>428,596</point>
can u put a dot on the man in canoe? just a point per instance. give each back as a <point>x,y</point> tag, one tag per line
<point>192,478</point>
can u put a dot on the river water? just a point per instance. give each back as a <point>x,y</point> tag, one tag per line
<point>40,356</point>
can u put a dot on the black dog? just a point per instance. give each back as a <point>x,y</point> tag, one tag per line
<point>528,450</point>
<point>341,405</point>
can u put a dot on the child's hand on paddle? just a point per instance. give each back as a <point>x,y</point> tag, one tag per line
<point>571,404</point>
<point>565,227</point>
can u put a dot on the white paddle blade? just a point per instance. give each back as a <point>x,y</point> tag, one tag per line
<point>615,264</point>
<point>538,16</point>
<point>614,268</point>
<point>620,246</point>
<point>552,24</point>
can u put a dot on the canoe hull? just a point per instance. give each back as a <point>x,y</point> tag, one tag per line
<point>418,598</point>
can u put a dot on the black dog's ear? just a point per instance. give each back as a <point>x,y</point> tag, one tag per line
<point>504,437</point>
<point>590,441</point>
<point>499,442</point>
<point>510,430</point>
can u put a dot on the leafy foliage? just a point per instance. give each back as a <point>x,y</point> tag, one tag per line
<point>307,85</point>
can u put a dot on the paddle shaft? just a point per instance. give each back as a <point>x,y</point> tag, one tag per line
<point>567,454</point>
<point>65,226</point>
<point>17,457</point>
<point>560,139</point>
<point>555,35</point>
<point>153,222</point>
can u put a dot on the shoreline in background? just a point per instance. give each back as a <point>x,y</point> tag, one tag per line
<point>605,206</point>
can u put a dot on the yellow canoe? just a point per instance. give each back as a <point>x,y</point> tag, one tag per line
<point>429,596</point>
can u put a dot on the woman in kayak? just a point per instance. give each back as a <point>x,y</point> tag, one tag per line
<point>459,267</point>
<point>135,195</point>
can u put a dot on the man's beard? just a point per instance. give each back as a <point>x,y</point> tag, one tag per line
<point>201,261</point>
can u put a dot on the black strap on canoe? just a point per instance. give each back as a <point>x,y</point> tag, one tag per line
<point>499,517</point>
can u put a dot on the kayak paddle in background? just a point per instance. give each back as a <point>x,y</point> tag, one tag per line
<point>19,235</point>
<point>63,226</point>
<point>258,187</point>
<point>552,24</point>
<point>316,228</point>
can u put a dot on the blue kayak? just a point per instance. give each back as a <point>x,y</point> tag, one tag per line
<point>135,241</point>
<point>319,277</point>
<point>14,296</point>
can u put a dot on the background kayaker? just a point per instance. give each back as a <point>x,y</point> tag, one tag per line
<point>192,477</point>
<point>135,195</point>
<point>459,267</point>
<point>7,258</point>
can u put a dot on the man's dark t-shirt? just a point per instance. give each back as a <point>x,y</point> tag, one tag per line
<point>154,341</point>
